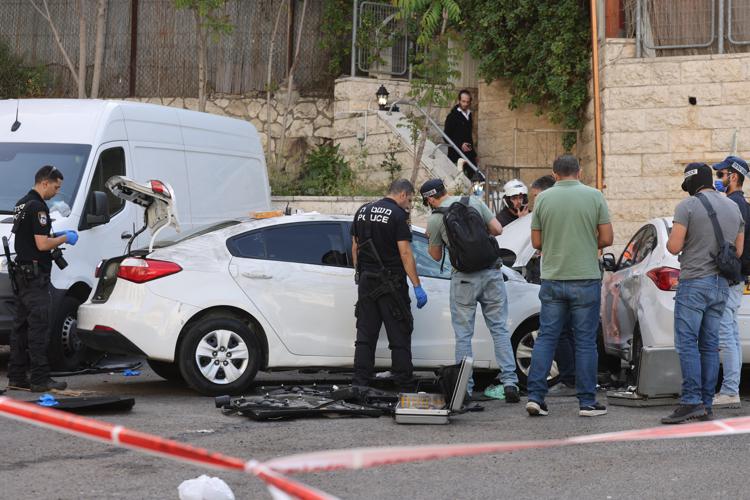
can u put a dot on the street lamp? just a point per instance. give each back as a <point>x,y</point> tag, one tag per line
<point>382,95</point>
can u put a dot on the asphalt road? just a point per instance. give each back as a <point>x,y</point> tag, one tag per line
<point>42,464</point>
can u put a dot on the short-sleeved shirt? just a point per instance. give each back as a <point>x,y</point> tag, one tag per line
<point>697,257</point>
<point>568,215</point>
<point>30,218</point>
<point>739,198</point>
<point>436,228</point>
<point>386,224</point>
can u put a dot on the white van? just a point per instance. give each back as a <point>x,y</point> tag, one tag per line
<point>214,164</point>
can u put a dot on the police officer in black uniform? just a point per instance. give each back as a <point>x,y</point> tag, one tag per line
<point>33,244</point>
<point>381,246</point>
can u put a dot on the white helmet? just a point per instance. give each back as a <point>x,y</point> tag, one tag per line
<point>512,188</point>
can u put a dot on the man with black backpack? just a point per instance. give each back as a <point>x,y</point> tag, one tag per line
<point>467,227</point>
<point>709,231</point>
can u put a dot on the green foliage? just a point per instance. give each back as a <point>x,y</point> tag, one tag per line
<point>374,39</point>
<point>325,172</point>
<point>19,80</point>
<point>390,164</point>
<point>431,15</point>
<point>209,13</point>
<point>543,47</point>
<point>336,35</point>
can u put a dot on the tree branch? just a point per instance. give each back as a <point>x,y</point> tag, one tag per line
<point>47,17</point>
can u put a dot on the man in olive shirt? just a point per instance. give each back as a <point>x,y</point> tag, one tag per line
<point>570,224</point>
<point>485,287</point>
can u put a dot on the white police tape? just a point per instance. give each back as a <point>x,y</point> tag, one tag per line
<point>281,487</point>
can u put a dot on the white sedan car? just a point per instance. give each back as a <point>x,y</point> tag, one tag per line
<point>637,309</point>
<point>222,303</point>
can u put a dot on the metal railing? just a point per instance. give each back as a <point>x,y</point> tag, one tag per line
<point>387,51</point>
<point>713,25</point>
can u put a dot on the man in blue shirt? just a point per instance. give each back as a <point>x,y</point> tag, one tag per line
<point>731,174</point>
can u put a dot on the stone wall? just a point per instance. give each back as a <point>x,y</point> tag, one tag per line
<point>523,138</point>
<point>310,121</point>
<point>651,130</point>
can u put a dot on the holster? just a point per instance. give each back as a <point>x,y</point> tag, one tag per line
<point>388,284</point>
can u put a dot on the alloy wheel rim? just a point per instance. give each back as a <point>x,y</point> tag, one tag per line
<point>222,356</point>
<point>523,355</point>
<point>70,341</point>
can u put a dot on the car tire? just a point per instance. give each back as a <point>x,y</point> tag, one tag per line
<point>523,343</point>
<point>66,351</point>
<point>166,370</point>
<point>204,356</point>
<point>635,357</point>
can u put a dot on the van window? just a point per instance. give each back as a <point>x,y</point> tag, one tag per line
<point>111,162</point>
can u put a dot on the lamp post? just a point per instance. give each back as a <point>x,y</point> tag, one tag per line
<point>382,95</point>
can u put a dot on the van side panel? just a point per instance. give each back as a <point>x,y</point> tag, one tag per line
<point>225,186</point>
<point>152,124</point>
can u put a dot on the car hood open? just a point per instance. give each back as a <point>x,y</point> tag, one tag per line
<point>516,237</point>
<point>156,197</point>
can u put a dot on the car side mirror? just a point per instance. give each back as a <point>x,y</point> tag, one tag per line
<point>609,263</point>
<point>97,209</point>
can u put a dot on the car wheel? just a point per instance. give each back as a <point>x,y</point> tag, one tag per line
<point>166,370</point>
<point>66,351</point>
<point>219,356</point>
<point>523,344</point>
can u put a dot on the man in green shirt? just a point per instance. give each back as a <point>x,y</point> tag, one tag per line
<point>485,287</point>
<point>570,223</point>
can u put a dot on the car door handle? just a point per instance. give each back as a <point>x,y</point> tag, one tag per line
<point>255,276</point>
<point>126,235</point>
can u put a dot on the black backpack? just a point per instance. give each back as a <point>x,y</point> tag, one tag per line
<point>472,248</point>
<point>730,266</point>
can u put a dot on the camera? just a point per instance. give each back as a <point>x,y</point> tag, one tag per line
<point>60,261</point>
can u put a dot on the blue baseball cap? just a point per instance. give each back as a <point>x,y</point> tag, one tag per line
<point>735,163</point>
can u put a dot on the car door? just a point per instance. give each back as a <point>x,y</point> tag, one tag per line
<point>299,277</point>
<point>623,287</point>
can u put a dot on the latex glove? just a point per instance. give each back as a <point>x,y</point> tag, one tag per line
<point>421,296</point>
<point>71,237</point>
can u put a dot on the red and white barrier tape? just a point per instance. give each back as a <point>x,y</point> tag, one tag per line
<point>372,457</point>
<point>126,438</point>
<point>271,472</point>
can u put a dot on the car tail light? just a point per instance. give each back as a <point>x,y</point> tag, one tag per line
<point>665,278</point>
<point>143,270</point>
<point>102,328</point>
<point>158,187</point>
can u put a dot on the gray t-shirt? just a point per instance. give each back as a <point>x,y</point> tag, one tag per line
<point>697,257</point>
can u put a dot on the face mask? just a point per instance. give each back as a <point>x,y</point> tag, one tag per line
<point>720,186</point>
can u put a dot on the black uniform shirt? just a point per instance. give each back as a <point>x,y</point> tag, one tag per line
<point>505,216</point>
<point>31,217</point>
<point>387,224</point>
<point>739,198</point>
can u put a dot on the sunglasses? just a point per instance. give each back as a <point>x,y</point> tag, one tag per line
<point>721,173</point>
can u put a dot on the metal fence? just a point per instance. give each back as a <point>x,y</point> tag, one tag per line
<point>161,59</point>
<point>382,40</point>
<point>684,27</point>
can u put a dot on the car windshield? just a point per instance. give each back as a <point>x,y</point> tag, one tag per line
<point>195,232</point>
<point>20,161</point>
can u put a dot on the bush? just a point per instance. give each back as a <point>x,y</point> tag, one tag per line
<point>325,172</point>
<point>17,79</point>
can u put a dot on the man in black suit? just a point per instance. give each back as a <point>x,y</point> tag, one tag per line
<point>458,125</point>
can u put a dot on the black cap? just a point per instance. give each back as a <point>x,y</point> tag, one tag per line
<point>433,187</point>
<point>697,176</point>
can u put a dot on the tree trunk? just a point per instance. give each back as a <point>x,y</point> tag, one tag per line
<point>101,26</point>
<point>290,86</point>
<point>202,56</point>
<point>271,48</point>
<point>81,49</point>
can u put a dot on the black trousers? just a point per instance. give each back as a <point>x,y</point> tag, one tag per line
<point>30,335</point>
<point>371,315</point>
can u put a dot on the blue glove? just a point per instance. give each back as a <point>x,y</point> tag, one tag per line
<point>421,296</point>
<point>71,237</point>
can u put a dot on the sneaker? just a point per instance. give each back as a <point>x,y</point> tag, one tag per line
<point>49,385</point>
<point>561,390</point>
<point>495,392</point>
<point>686,413</point>
<point>594,410</point>
<point>535,409</point>
<point>19,385</point>
<point>511,394</point>
<point>709,415</point>
<point>726,401</point>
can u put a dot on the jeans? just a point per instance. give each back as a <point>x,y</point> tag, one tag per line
<point>576,301</point>
<point>699,305</point>
<point>488,289</point>
<point>729,342</point>
<point>565,355</point>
